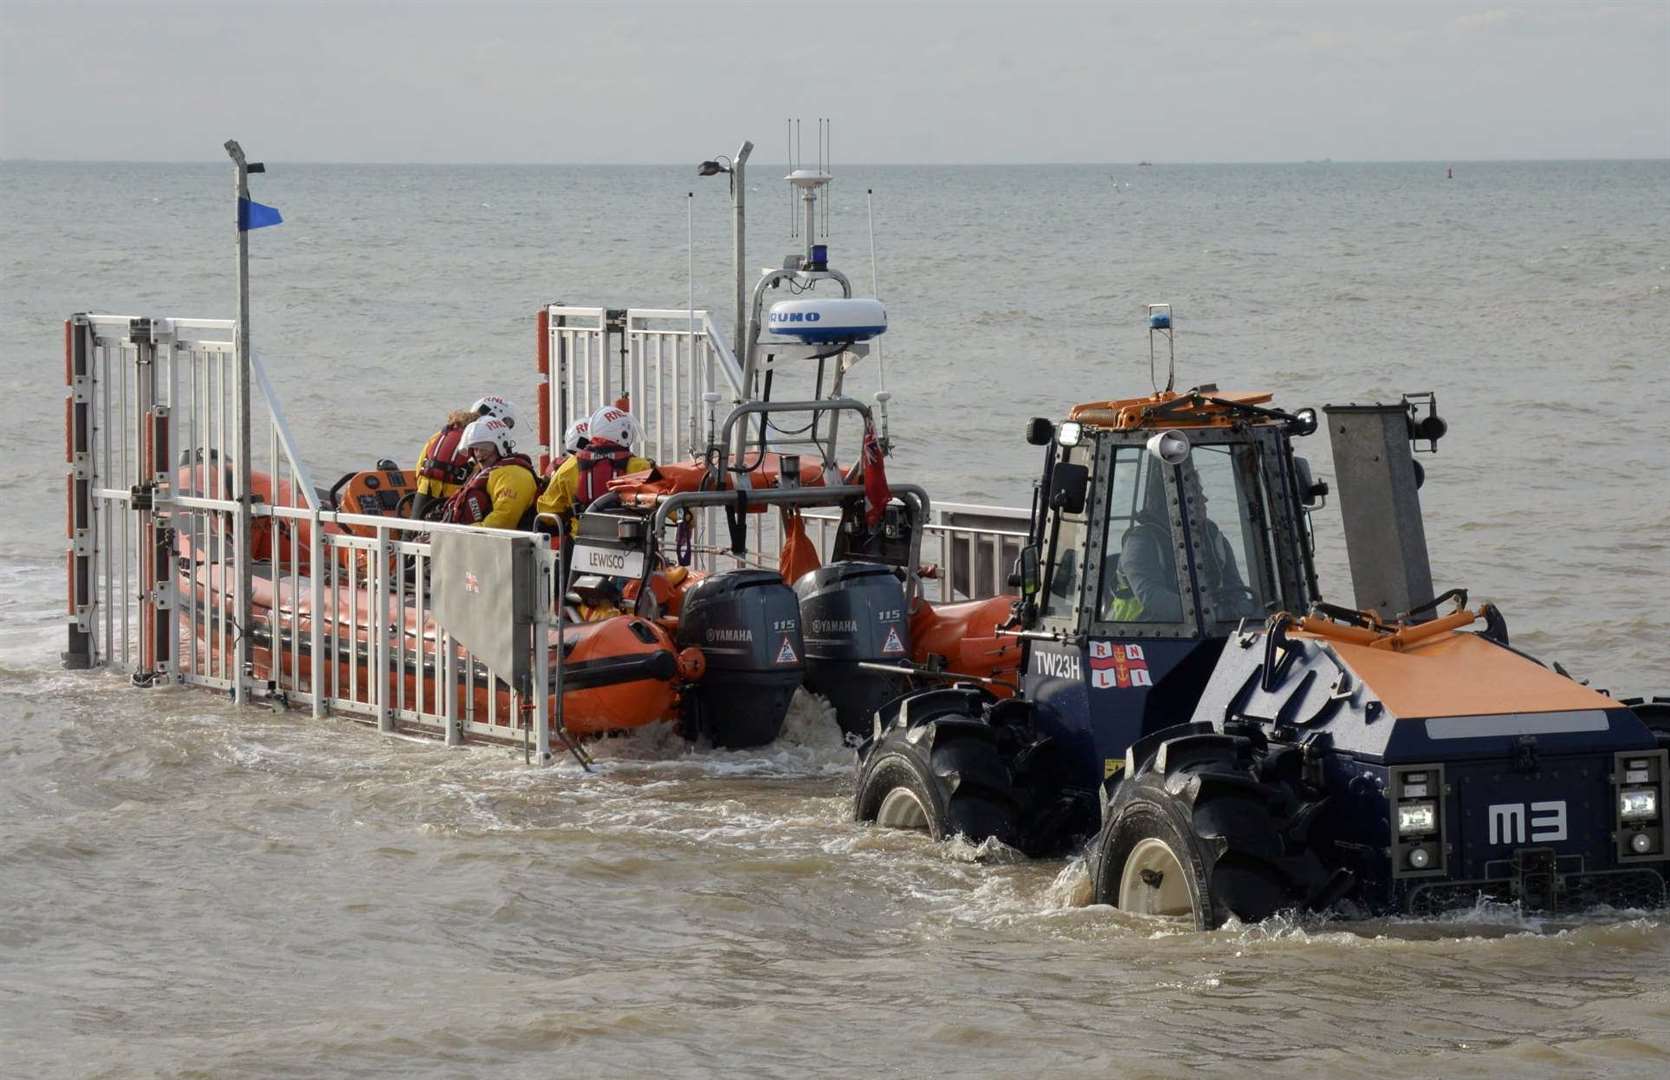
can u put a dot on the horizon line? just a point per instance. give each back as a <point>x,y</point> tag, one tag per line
<point>864,165</point>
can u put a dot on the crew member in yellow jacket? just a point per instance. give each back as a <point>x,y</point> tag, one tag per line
<point>586,473</point>
<point>500,493</point>
<point>444,464</point>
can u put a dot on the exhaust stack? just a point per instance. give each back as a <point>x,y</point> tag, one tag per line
<point>1377,481</point>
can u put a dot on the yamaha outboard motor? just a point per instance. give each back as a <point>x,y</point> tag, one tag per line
<point>853,612</point>
<point>747,624</point>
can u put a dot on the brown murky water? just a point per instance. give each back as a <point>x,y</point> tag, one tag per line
<point>191,890</point>
<point>215,892</point>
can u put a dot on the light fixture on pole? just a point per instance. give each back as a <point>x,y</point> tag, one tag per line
<point>734,168</point>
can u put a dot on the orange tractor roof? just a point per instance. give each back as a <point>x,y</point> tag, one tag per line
<point>1190,408</point>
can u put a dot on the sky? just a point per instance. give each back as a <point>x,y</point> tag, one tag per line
<point>910,81</point>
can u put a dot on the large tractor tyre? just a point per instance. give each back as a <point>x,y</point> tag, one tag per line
<point>1202,832</point>
<point>1655,713</point>
<point>936,767</point>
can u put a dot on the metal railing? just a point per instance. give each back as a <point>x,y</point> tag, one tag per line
<point>351,630</point>
<point>664,360</point>
<point>340,620</point>
<point>966,553</point>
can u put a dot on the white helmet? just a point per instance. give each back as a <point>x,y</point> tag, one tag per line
<point>613,425</point>
<point>489,431</point>
<point>494,405</point>
<point>575,435</point>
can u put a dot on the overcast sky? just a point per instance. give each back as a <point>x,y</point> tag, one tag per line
<point>906,81</point>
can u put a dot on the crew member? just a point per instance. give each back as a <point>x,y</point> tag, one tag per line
<point>444,464</point>
<point>586,473</point>
<point>500,492</point>
<point>573,441</point>
<point>1146,585</point>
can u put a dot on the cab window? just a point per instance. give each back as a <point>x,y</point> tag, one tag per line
<point>1229,560</point>
<point>1065,580</point>
<point>1140,582</point>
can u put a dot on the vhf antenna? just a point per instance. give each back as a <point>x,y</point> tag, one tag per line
<point>826,165</point>
<point>795,159</point>
<point>1159,322</point>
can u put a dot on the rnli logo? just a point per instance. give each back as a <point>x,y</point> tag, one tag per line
<point>1114,666</point>
<point>795,316</point>
<point>471,583</point>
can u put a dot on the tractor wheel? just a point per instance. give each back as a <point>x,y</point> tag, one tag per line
<point>1655,714</point>
<point>1199,833</point>
<point>934,765</point>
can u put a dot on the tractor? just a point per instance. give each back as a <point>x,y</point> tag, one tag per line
<point>1224,743</point>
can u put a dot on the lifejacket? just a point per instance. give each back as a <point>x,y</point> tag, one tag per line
<point>473,502</point>
<point>448,462</point>
<point>598,464</point>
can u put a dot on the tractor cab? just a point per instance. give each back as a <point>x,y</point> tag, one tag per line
<point>1160,525</point>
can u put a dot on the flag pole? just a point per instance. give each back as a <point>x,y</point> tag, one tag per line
<point>241,522</point>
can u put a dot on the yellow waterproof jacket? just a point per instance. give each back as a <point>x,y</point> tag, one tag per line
<point>560,493</point>
<point>512,487</point>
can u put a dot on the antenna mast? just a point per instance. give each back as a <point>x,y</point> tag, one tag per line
<point>1159,322</point>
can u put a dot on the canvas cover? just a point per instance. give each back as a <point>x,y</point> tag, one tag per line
<point>483,595</point>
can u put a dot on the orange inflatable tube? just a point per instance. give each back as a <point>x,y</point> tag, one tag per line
<point>647,487</point>
<point>963,637</point>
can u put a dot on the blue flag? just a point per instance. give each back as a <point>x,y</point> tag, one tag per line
<point>253,215</point>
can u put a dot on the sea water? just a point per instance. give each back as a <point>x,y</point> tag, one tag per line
<point>192,889</point>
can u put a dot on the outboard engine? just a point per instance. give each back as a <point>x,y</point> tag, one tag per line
<point>747,624</point>
<point>852,612</point>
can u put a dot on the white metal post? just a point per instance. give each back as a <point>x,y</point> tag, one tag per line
<point>542,658</point>
<point>316,603</point>
<point>447,693</point>
<point>739,247</point>
<point>378,583</point>
<point>241,522</point>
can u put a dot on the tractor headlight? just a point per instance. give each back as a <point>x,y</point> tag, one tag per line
<point>1640,804</point>
<point>1418,827</point>
<point>1418,817</point>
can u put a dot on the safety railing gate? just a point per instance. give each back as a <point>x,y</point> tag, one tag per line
<point>340,618</point>
<point>663,361</point>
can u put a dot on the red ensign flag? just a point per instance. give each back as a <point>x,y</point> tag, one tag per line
<point>876,492</point>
